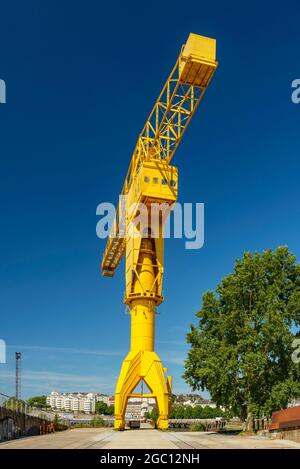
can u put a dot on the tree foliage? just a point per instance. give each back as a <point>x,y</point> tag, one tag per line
<point>14,404</point>
<point>196,412</point>
<point>241,349</point>
<point>152,415</point>
<point>56,422</point>
<point>180,411</point>
<point>97,422</point>
<point>38,401</point>
<point>103,409</point>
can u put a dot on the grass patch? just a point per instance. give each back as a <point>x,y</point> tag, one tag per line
<point>197,427</point>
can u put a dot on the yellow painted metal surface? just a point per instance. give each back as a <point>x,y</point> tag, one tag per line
<point>152,180</point>
<point>144,365</point>
<point>144,270</point>
<point>158,181</point>
<point>200,47</point>
<point>164,129</point>
<point>198,60</point>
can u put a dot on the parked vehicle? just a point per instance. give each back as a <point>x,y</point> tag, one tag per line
<point>133,424</point>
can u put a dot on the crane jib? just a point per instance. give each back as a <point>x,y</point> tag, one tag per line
<point>168,121</point>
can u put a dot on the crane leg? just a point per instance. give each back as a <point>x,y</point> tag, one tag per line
<point>142,363</point>
<point>146,366</point>
<point>128,380</point>
<point>156,381</point>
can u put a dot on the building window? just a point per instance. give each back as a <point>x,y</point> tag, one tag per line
<point>146,179</point>
<point>164,182</point>
<point>155,180</point>
<point>172,183</point>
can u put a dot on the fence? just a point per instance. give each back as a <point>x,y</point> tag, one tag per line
<point>16,422</point>
<point>209,424</point>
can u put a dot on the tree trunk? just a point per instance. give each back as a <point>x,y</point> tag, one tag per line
<point>249,421</point>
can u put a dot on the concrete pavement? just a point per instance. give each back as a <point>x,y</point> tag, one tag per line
<point>97,438</point>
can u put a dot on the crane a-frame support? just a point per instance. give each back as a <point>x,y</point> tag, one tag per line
<point>142,363</point>
<point>151,181</point>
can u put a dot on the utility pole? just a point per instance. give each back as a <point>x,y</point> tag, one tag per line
<point>18,378</point>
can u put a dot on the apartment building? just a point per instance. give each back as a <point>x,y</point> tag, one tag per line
<point>137,407</point>
<point>73,402</point>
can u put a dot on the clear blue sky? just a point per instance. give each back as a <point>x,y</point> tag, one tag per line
<point>81,79</point>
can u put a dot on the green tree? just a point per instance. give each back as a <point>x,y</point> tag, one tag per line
<point>38,401</point>
<point>13,404</point>
<point>197,412</point>
<point>97,422</point>
<point>178,412</point>
<point>241,350</point>
<point>154,414</point>
<point>56,422</point>
<point>103,409</point>
<point>111,410</point>
<point>188,412</point>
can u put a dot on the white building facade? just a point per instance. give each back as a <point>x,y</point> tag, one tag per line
<point>73,402</point>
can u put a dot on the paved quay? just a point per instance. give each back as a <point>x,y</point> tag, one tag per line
<point>97,438</point>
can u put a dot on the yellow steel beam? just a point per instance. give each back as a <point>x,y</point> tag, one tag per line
<point>166,125</point>
<point>151,178</point>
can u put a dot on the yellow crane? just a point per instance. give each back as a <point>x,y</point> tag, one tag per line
<point>152,182</point>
